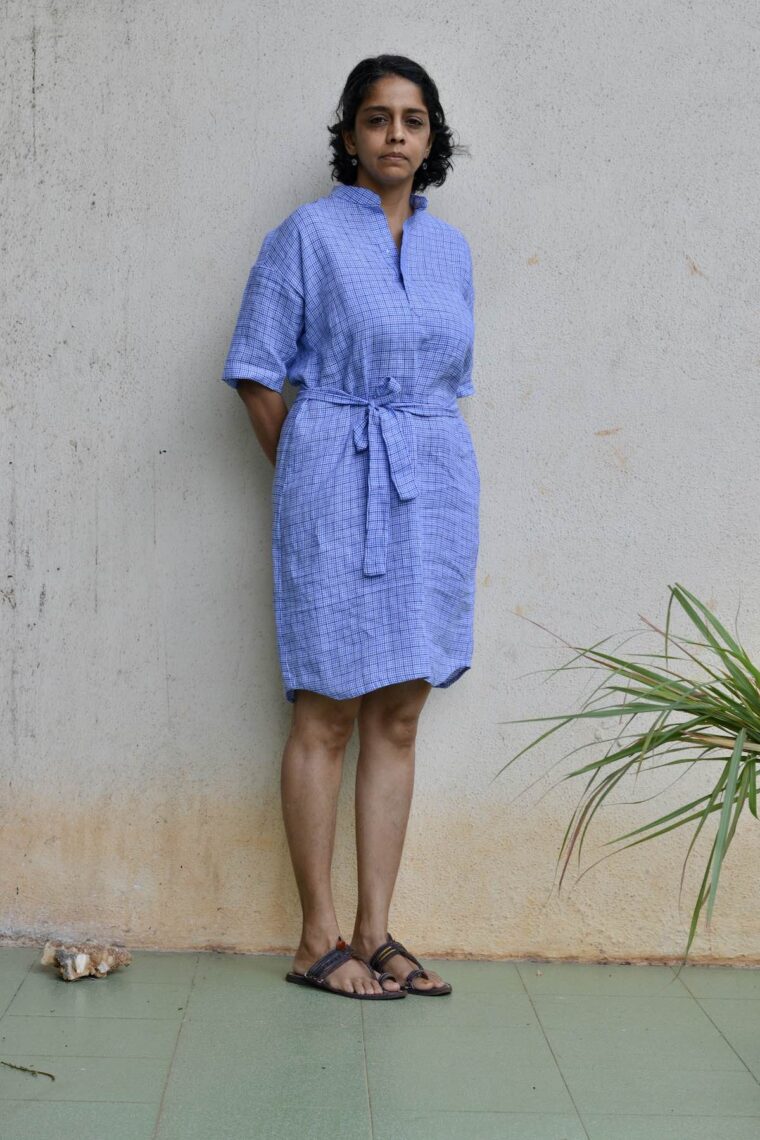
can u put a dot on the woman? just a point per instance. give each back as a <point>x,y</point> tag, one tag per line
<point>364,301</point>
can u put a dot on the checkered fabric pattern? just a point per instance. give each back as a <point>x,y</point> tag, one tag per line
<point>376,488</point>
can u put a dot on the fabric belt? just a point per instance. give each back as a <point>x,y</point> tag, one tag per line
<point>379,432</point>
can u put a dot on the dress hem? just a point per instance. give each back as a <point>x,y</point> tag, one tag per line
<point>454,675</point>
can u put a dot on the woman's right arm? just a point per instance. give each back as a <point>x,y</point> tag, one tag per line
<point>267,411</point>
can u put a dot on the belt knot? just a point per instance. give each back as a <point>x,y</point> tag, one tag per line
<point>379,431</point>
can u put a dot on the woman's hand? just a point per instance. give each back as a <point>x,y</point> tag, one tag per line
<point>267,411</point>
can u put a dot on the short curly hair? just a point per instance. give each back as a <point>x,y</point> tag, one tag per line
<point>358,84</point>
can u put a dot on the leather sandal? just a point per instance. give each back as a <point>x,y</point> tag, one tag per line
<point>343,951</point>
<point>391,947</point>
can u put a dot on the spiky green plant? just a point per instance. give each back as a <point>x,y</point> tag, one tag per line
<point>714,715</point>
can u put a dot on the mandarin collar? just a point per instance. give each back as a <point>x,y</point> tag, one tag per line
<point>363,196</point>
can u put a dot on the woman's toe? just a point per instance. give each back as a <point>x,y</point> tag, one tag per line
<point>428,983</point>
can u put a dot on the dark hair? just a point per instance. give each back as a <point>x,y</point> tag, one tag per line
<point>359,82</point>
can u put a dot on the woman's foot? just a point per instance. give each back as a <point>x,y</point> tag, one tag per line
<point>355,976</point>
<point>396,964</point>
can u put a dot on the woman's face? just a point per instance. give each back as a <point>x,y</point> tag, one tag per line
<point>391,118</point>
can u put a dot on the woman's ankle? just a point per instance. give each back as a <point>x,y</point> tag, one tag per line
<point>370,934</point>
<point>318,939</point>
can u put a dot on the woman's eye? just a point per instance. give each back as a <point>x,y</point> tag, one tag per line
<point>381,118</point>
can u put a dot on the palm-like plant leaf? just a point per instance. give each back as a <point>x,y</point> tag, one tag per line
<point>705,716</point>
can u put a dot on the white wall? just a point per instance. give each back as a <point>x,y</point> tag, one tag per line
<point>611,205</point>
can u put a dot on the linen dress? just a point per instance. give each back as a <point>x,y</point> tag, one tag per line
<point>375,494</point>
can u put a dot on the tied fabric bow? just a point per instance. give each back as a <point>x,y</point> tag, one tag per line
<point>380,428</point>
<point>380,433</point>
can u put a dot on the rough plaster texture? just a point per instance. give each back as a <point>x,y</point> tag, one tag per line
<point>611,205</point>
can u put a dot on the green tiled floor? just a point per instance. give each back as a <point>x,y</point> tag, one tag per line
<point>218,1047</point>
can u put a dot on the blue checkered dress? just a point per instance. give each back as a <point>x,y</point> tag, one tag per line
<point>375,494</point>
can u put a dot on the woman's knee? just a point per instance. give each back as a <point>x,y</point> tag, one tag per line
<point>394,712</point>
<point>323,722</point>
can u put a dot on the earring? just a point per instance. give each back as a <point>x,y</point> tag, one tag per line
<point>424,166</point>
<point>354,161</point>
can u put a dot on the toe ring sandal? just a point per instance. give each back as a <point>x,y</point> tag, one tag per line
<point>317,973</point>
<point>391,947</point>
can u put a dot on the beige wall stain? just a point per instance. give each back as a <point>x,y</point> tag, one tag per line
<point>693,267</point>
<point>621,459</point>
<point>195,873</point>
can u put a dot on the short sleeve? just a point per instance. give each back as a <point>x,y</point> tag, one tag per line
<point>271,318</point>
<point>465,386</point>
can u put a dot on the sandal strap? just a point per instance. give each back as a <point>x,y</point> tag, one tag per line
<point>340,953</point>
<point>413,974</point>
<point>387,950</point>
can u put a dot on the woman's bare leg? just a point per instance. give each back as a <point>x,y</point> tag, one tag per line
<point>388,719</point>
<point>312,765</point>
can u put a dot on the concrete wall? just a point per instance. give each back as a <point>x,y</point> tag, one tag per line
<point>611,204</point>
